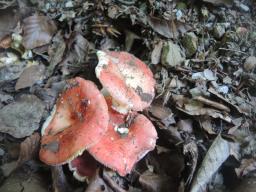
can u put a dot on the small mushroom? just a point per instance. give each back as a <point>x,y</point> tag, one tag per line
<point>127,79</point>
<point>84,167</point>
<point>78,121</point>
<point>128,139</point>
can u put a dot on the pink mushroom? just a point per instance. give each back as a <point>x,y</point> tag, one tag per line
<point>79,121</point>
<point>128,139</point>
<point>127,79</point>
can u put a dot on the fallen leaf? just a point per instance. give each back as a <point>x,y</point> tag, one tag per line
<point>162,113</point>
<point>22,117</point>
<point>152,182</point>
<point>29,76</point>
<point>26,179</point>
<point>8,20</point>
<point>214,104</point>
<point>29,148</point>
<point>56,53</point>
<point>196,108</point>
<point>172,55</point>
<point>156,53</point>
<point>78,48</point>
<point>215,156</point>
<point>11,72</point>
<point>168,29</point>
<point>38,31</point>
<point>212,91</point>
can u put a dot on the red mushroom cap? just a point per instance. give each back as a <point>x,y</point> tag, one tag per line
<point>79,121</point>
<point>84,167</point>
<point>120,152</point>
<point>128,80</point>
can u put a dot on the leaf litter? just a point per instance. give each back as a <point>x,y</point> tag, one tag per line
<point>202,58</point>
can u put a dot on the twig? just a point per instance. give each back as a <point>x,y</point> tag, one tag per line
<point>233,51</point>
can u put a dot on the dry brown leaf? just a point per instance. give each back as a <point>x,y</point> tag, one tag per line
<point>208,112</point>
<point>168,29</point>
<point>215,156</point>
<point>29,148</point>
<point>38,31</point>
<point>214,92</point>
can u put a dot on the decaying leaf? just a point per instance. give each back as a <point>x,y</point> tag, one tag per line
<point>168,29</point>
<point>215,156</point>
<point>30,76</point>
<point>29,148</point>
<point>38,31</point>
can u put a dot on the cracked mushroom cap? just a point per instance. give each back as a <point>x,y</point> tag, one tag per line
<point>128,139</point>
<point>127,79</point>
<point>84,167</point>
<point>79,121</point>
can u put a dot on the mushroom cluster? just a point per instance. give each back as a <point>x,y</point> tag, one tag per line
<point>88,126</point>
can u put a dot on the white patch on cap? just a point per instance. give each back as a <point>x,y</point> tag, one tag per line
<point>48,120</point>
<point>121,130</point>
<point>103,61</point>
